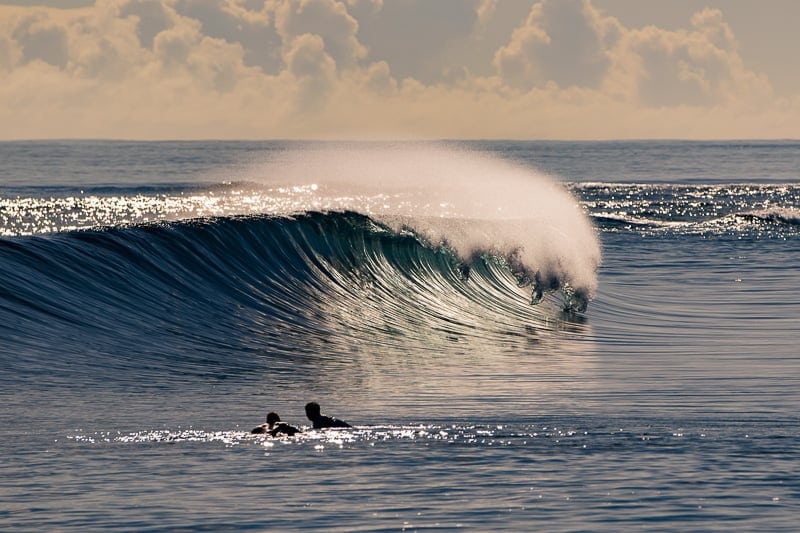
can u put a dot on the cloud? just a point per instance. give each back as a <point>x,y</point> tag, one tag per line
<point>699,66</point>
<point>421,39</point>
<point>173,46</point>
<point>247,24</point>
<point>344,68</point>
<point>103,48</point>
<point>151,18</point>
<point>563,41</point>
<point>485,10</point>
<point>41,39</point>
<point>572,44</point>
<point>327,19</point>
<point>313,69</point>
<point>9,53</point>
<point>361,8</point>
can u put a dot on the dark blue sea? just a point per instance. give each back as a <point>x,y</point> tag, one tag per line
<point>526,336</point>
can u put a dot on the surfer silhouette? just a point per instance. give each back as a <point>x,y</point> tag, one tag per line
<point>275,427</point>
<point>320,421</point>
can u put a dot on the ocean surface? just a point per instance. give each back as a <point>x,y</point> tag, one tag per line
<point>526,336</point>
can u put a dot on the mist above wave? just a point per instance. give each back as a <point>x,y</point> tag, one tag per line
<point>468,201</point>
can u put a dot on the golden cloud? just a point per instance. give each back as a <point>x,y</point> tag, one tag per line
<point>297,69</point>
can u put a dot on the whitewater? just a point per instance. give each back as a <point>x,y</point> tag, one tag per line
<point>525,335</point>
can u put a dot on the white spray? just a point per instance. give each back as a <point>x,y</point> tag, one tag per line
<point>471,201</point>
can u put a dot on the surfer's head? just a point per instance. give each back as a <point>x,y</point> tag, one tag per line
<point>312,410</point>
<point>273,418</point>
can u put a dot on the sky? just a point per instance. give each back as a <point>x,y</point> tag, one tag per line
<point>399,69</point>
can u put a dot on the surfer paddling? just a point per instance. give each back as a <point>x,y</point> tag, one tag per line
<point>275,427</point>
<point>320,421</point>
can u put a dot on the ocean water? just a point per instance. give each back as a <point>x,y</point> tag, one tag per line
<point>556,336</point>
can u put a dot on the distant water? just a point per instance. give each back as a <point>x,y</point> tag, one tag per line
<point>558,336</point>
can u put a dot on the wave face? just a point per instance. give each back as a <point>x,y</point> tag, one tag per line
<point>310,253</point>
<point>198,293</point>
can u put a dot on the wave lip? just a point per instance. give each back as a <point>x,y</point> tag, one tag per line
<point>469,202</point>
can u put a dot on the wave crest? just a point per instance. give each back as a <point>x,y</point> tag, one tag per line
<point>470,202</point>
<point>309,284</point>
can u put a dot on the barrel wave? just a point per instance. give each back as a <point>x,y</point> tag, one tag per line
<point>245,291</point>
<point>311,254</point>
